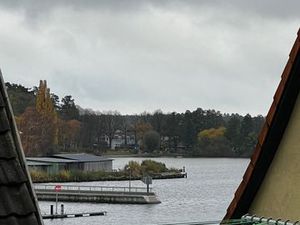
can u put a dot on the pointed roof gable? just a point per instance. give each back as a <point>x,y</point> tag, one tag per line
<point>270,136</point>
<point>18,204</point>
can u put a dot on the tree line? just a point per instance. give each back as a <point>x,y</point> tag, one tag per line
<point>48,124</point>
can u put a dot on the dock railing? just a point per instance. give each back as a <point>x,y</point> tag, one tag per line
<point>83,188</point>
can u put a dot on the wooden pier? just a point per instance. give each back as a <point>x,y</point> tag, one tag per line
<point>96,194</point>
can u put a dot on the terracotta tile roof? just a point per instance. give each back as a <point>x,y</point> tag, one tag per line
<point>270,135</point>
<point>18,204</point>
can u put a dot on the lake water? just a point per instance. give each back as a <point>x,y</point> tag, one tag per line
<point>204,195</point>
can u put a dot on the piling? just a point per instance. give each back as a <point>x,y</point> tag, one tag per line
<point>51,209</point>
<point>62,209</point>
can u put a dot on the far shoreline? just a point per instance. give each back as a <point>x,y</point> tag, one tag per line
<point>169,156</point>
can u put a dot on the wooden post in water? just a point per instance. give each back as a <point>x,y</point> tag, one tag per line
<point>56,202</point>
<point>62,209</point>
<point>129,179</point>
<point>57,189</point>
<point>51,209</point>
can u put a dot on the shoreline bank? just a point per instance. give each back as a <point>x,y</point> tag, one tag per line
<point>111,178</point>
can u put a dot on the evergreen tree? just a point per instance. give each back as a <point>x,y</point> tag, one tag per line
<point>68,110</point>
<point>171,130</point>
<point>151,141</point>
<point>189,133</point>
<point>233,132</point>
<point>20,98</point>
<point>246,135</point>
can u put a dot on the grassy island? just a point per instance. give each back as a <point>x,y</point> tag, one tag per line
<point>133,170</point>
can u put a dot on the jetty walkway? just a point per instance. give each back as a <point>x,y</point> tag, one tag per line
<point>96,194</point>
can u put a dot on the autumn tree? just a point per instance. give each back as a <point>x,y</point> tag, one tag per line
<point>212,142</point>
<point>68,134</point>
<point>38,125</point>
<point>212,133</point>
<point>140,128</point>
<point>44,102</point>
<point>112,122</point>
<point>29,127</point>
<point>50,124</point>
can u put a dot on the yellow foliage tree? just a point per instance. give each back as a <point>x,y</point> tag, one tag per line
<point>38,125</point>
<point>45,107</point>
<point>44,103</point>
<point>212,133</point>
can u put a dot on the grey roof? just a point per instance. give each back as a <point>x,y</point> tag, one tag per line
<point>33,163</point>
<point>83,157</point>
<point>49,160</point>
<point>18,203</point>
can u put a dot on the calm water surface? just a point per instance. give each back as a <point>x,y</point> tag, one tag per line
<point>204,195</point>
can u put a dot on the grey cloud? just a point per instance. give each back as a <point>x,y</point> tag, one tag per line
<point>143,55</point>
<point>274,8</point>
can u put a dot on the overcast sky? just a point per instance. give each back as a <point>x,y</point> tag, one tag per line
<point>135,56</point>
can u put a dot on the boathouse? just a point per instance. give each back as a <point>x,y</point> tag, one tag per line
<point>51,165</point>
<point>77,161</point>
<point>18,201</point>
<point>88,162</point>
<point>270,185</point>
<point>39,166</point>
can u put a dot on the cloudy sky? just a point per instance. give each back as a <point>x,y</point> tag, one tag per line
<point>135,56</point>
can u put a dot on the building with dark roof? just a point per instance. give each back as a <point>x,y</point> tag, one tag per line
<point>39,166</point>
<point>72,162</point>
<point>51,165</point>
<point>270,185</point>
<point>18,203</point>
<point>88,162</point>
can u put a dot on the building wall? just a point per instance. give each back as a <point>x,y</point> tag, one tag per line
<point>98,166</point>
<point>119,140</point>
<point>279,194</point>
<point>54,168</point>
<point>39,168</point>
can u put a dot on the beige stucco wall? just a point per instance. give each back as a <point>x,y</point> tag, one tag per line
<point>279,194</point>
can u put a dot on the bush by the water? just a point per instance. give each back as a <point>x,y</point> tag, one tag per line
<point>151,166</point>
<point>147,167</point>
<point>76,176</point>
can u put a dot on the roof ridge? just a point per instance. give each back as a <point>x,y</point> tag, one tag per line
<point>19,198</point>
<point>236,207</point>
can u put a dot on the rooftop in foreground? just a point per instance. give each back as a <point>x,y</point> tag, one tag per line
<point>270,185</point>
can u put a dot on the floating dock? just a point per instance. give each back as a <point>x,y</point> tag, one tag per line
<point>96,194</point>
<point>62,216</point>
